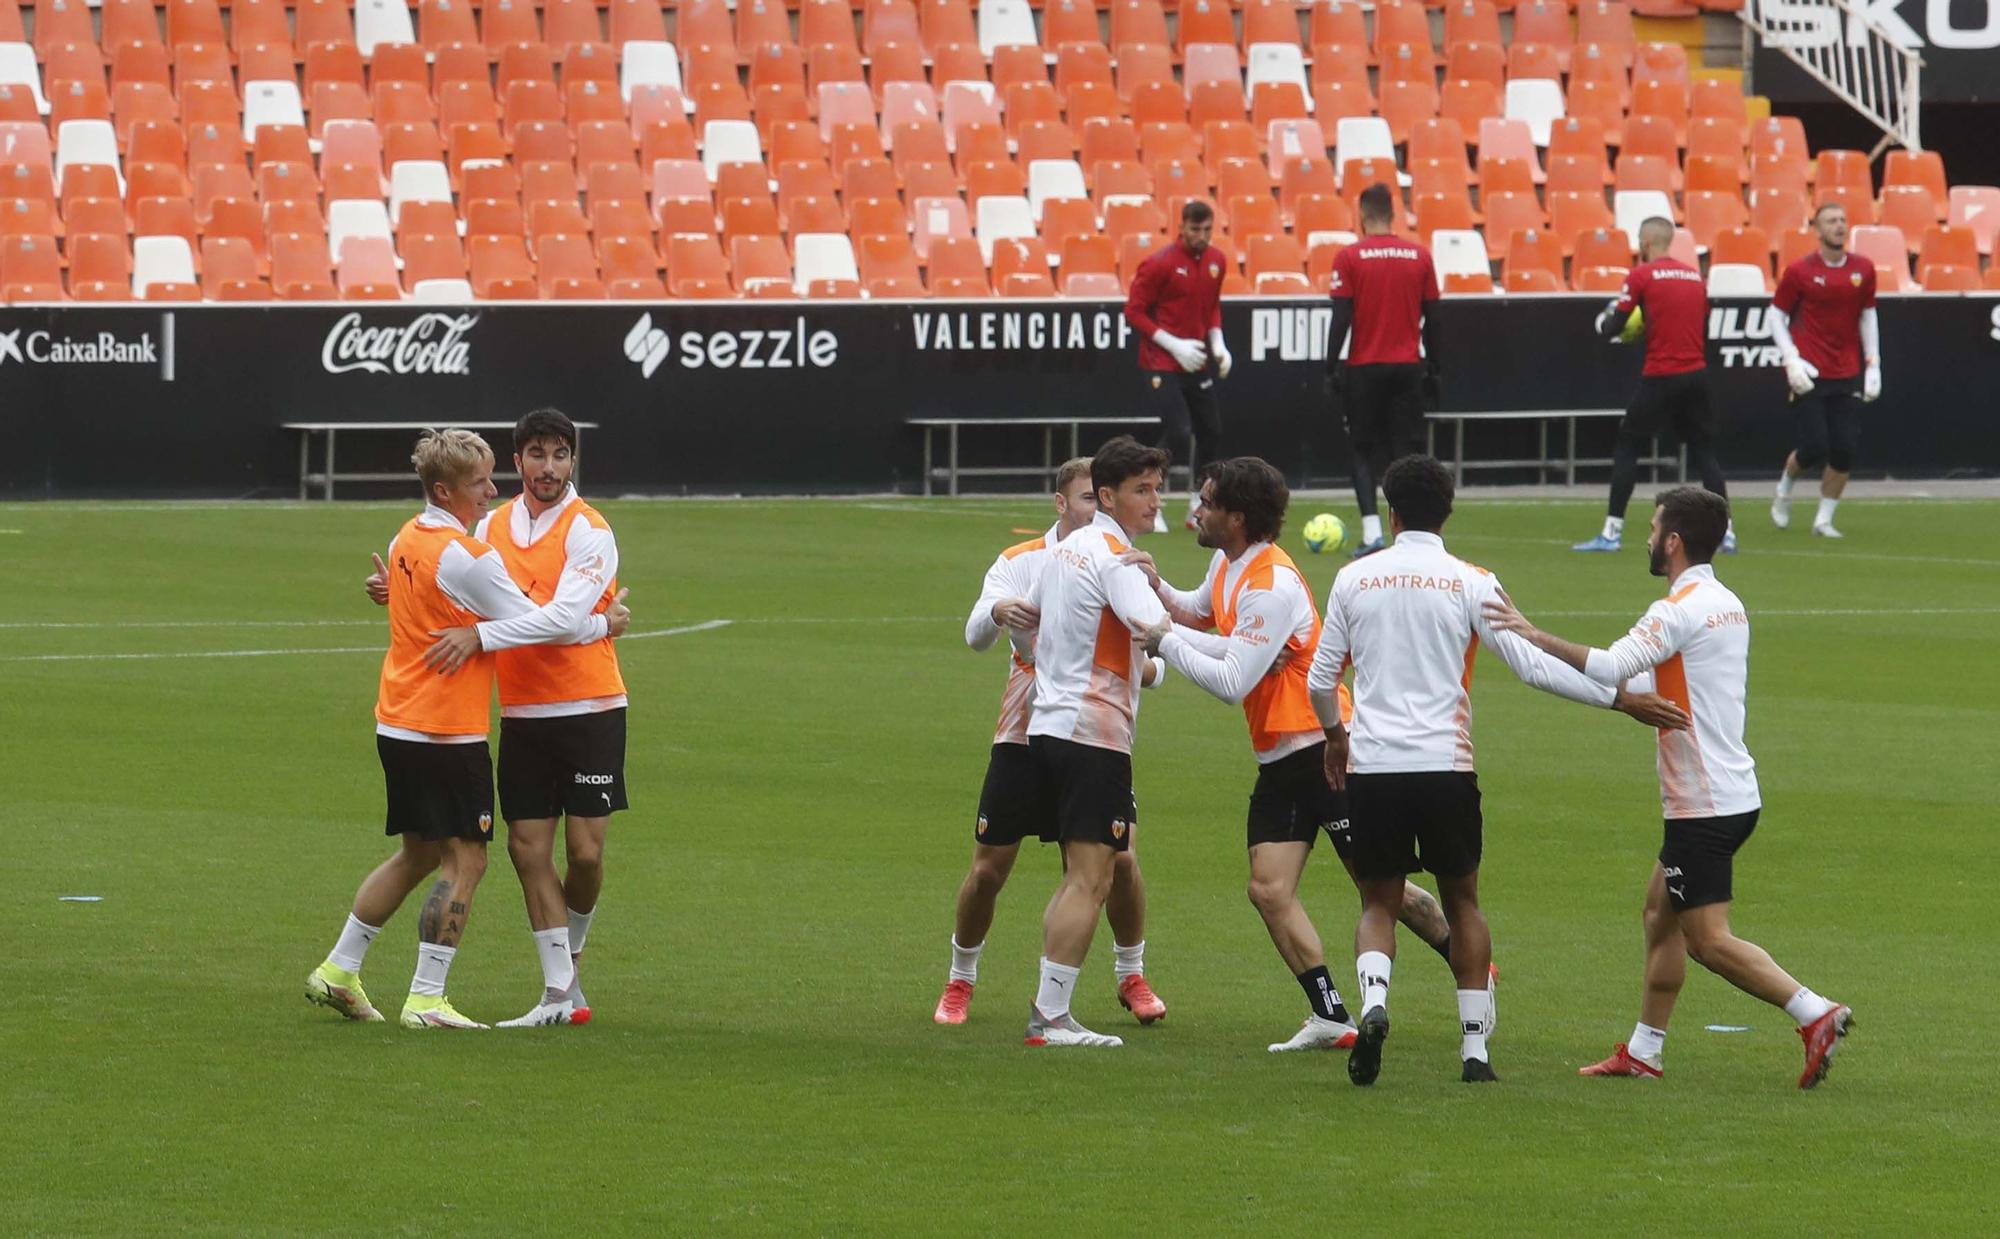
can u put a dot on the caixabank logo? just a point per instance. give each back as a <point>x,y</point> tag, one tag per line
<point>28,348</point>
<point>798,347</point>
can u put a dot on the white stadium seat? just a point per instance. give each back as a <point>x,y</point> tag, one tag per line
<point>1002,218</point>
<point>729,141</point>
<point>160,260</point>
<point>417,180</point>
<point>1460,251</point>
<point>382,21</point>
<point>1736,279</point>
<point>822,256</point>
<point>18,68</point>
<point>270,103</point>
<point>356,217</point>
<point>87,141</point>
<point>442,292</point>
<point>1003,23</point>
<point>1365,137</point>
<point>648,62</point>
<point>1632,207</point>
<point>1537,101</point>
<point>1053,178</point>
<point>1278,62</point>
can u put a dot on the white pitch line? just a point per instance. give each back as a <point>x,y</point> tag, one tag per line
<point>1810,613</point>
<point>1828,557</point>
<point>704,626</point>
<point>102,624</point>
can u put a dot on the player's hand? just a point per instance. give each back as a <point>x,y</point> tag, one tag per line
<point>1651,709</point>
<point>1143,561</point>
<point>1189,355</point>
<point>453,648</point>
<point>1799,374</point>
<point>1504,616</point>
<point>1016,613</point>
<point>1222,361</point>
<point>377,583</point>
<point>1432,387</point>
<point>1151,636</point>
<point>1336,758</point>
<point>1871,383</point>
<point>1279,663</point>
<point>617,616</point>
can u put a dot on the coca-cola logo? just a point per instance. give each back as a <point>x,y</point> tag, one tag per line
<point>428,344</point>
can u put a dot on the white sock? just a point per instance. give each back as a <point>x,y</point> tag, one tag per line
<point>579,929</point>
<point>1614,527</point>
<point>1472,1010</point>
<point>1730,528</point>
<point>1371,969</point>
<point>1648,1044</point>
<point>1052,999</point>
<point>1785,481</point>
<point>1806,1006</point>
<point>355,939</point>
<point>965,961</point>
<point>1826,507</point>
<point>1129,961</point>
<point>1194,504</point>
<point>1371,529</point>
<point>552,947</point>
<point>433,964</point>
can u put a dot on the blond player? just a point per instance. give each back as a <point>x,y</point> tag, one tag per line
<point>1012,801</point>
<point>1695,644</point>
<point>1087,675</point>
<point>430,730</point>
<point>1265,630</point>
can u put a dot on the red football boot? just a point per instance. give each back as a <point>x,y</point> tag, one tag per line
<point>1822,1038</point>
<point>1138,997</point>
<point>1621,1063</point>
<point>952,1005</point>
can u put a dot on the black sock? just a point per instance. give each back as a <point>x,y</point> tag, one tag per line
<point>1443,948</point>
<point>1322,996</point>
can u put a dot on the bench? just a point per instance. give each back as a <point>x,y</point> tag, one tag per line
<point>1568,462</point>
<point>951,471</point>
<point>326,477</point>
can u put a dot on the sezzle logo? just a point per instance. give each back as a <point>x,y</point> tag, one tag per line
<point>646,345</point>
<point>103,348</point>
<point>649,347</point>
<point>432,343</point>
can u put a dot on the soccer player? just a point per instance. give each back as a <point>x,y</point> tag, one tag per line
<point>1385,289</point>
<point>1823,318</point>
<point>1087,671</point>
<point>1012,802</point>
<point>1265,631</point>
<point>1695,644</point>
<point>562,707</point>
<point>1409,621</point>
<point>430,730</point>
<point>1673,386</point>
<point>1176,305</point>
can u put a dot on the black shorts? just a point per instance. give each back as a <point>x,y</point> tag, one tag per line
<point>437,791</point>
<point>1827,423</point>
<point>1697,853</point>
<point>1091,789</point>
<point>573,765</point>
<point>1014,802</point>
<point>1677,402</point>
<point>1385,408</point>
<point>1188,409</point>
<point>1422,820</point>
<point>1291,802</point>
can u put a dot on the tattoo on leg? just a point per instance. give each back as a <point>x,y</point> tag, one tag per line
<point>1425,917</point>
<point>454,924</point>
<point>430,921</point>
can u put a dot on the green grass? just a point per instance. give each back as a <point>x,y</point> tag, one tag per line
<point>774,928</point>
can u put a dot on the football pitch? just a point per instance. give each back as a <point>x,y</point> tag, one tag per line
<point>188,736</point>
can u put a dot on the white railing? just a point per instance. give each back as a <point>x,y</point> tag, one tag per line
<point>1860,60</point>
